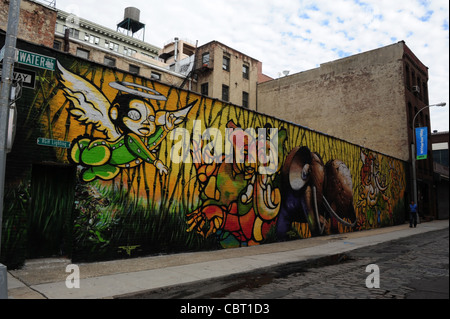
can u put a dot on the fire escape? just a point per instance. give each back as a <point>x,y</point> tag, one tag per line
<point>203,64</point>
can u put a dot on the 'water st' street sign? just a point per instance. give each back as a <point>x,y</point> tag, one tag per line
<point>53,143</point>
<point>36,60</point>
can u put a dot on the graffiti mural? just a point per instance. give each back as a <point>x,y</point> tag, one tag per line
<point>238,203</point>
<point>160,169</point>
<point>133,130</point>
<point>315,193</point>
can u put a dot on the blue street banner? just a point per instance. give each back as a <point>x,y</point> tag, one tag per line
<point>421,142</point>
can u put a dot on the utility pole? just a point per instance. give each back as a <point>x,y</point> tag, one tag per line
<point>5,94</point>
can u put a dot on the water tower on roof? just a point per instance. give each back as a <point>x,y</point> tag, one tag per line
<point>130,23</point>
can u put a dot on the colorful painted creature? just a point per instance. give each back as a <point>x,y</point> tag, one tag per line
<point>374,197</point>
<point>314,192</point>
<point>133,129</point>
<point>239,205</point>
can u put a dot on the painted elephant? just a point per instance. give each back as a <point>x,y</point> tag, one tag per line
<point>313,192</point>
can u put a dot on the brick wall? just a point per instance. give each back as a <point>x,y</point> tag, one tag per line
<point>37,22</point>
<point>360,99</point>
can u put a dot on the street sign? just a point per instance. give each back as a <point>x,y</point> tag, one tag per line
<point>421,142</point>
<point>26,77</point>
<point>52,143</point>
<point>36,60</point>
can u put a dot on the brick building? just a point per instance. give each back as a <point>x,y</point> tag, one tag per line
<point>369,99</point>
<point>226,74</point>
<point>439,142</point>
<point>33,17</point>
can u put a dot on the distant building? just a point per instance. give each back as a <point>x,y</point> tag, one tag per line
<point>439,141</point>
<point>369,99</point>
<point>213,69</point>
<point>114,48</point>
<point>227,74</point>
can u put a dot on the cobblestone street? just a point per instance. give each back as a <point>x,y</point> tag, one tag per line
<point>405,265</point>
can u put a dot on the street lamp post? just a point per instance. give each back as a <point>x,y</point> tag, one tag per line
<point>413,150</point>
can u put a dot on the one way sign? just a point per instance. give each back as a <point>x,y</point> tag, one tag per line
<point>27,77</point>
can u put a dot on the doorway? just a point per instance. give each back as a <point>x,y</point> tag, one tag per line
<point>51,209</point>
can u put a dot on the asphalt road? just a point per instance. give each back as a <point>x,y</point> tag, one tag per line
<point>415,267</point>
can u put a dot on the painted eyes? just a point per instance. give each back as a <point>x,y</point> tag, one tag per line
<point>134,115</point>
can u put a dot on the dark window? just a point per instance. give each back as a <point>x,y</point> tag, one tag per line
<point>226,63</point>
<point>425,92</point>
<point>109,61</point>
<point>57,45</point>
<point>225,93</point>
<point>245,71</point>
<point>245,99</point>
<point>441,157</point>
<point>205,59</point>
<point>83,53</point>
<point>204,89</point>
<point>408,78</point>
<point>134,69</point>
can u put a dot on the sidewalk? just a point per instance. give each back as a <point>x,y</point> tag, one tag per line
<point>46,278</point>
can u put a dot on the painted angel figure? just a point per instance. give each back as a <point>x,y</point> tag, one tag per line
<point>133,129</point>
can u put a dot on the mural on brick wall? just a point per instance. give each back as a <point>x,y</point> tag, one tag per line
<point>161,169</point>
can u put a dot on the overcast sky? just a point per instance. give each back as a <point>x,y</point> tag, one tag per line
<point>296,35</point>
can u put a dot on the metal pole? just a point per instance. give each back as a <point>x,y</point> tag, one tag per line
<point>413,159</point>
<point>5,94</point>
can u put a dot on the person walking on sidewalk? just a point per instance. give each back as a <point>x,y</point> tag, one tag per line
<point>412,214</point>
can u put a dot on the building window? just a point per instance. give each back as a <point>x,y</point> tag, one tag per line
<point>418,83</point>
<point>408,78</point>
<point>134,69</point>
<point>425,92</point>
<point>245,71</point>
<point>91,39</point>
<point>205,59</point>
<point>204,89</point>
<point>155,76</point>
<point>411,115</point>
<point>226,63</point>
<point>129,52</point>
<point>245,99</point>
<point>112,46</point>
<point>73,33</point>
<point>225,93</point>
<point>440,153</point>
<point>57,45</point>
<point>109,61</point>
<point>83,53</point>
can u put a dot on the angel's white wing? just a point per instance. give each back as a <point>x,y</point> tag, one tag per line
<point>89,105</point>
